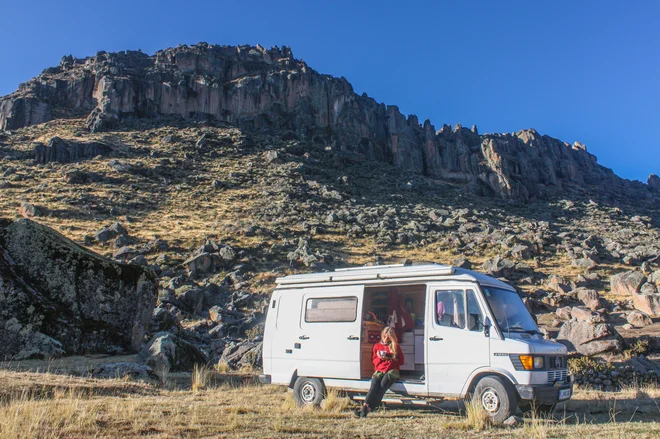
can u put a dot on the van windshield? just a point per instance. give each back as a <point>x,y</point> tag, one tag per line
<point>510,311</point>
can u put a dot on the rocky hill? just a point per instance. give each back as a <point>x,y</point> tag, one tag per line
<point>269,90</point>
<point>218,169</point>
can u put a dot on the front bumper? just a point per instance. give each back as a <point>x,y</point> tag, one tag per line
<point>264,379</point>
<point>545,394</point>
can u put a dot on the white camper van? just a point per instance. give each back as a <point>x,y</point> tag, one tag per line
<point>471,335</point>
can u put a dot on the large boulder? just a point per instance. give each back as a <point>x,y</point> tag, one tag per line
<point>627,283</point>
<point>647,300</point>
<point>168,353</point>
<point>589,338</point>
<point>59,298</point>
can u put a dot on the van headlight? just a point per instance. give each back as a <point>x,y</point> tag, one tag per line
<point>531,362</point>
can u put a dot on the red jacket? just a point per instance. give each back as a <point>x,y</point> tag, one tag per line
<point>387,364</point>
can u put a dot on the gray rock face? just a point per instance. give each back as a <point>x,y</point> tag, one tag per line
<point>654,183</point>
<point>168,353</point>
<point>256,88</point>
<point>588,338</point>
<point>58,298</point>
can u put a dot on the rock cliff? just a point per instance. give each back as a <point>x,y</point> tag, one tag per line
<point>58,298</point>
<point>259,89</point>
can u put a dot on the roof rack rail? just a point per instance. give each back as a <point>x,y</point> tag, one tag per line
<point>368,267</point>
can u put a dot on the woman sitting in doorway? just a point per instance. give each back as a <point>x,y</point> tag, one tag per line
<point>387,358</point>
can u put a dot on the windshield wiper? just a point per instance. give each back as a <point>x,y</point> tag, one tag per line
<point>521,329</point>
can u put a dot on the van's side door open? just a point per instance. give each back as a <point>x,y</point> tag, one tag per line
<point>331,323</point>
<point>455,339</point>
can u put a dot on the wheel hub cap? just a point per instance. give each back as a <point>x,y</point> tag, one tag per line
<point>308,393</point>
<point>490,400</point>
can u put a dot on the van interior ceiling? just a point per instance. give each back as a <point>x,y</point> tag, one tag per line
<point>404,307</point>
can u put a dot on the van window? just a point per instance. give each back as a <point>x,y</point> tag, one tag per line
<point>475,320</point>
<point>331,309</point>
<point>450,308</point>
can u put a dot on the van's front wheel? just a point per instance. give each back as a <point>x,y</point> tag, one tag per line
<point>496,397</point>
<point>308,391</point>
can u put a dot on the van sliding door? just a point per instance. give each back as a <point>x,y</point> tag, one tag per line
<point>331,323</point>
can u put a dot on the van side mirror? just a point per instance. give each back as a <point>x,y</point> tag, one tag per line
<point>487,325</point>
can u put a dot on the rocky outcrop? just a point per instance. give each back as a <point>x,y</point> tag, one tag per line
<point>261,89</point>
<point>58,298</point>
<point>58,150</point>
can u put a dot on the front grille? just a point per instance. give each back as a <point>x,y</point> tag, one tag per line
<point>557,375</point>
<point>557,362</point>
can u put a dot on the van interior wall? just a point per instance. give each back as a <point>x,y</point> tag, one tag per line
<point>376,304</point>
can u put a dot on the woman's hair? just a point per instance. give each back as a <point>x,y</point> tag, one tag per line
<point>393,345</point>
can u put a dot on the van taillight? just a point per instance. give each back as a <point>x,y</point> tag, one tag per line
<point>273,303</point>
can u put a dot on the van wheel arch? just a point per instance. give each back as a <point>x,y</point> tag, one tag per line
<point>479,376</point>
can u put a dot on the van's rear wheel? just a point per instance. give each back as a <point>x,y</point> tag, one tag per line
<point>308,391</point>
<point>497,398</point>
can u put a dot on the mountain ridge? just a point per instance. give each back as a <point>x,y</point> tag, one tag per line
<point>268,89</point>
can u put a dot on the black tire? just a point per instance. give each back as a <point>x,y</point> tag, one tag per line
<point>497,398</point>
<point>308,391</point>
<point>531,408</point>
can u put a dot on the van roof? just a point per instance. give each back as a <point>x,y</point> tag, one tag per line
<point>383,274</point>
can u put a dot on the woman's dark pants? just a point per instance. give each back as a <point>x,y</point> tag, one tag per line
<point>380,382</point>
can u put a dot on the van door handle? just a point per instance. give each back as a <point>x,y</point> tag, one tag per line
<point>435,338</point>
<point>352,337</point>
<point>303,337</point>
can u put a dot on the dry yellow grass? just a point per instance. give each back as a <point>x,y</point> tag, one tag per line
<point>230,411</point>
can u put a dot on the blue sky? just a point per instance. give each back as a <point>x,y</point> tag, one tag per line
<point>586,71</point>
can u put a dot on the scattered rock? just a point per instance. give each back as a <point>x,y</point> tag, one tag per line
<point>111,232</point>
<point>499,267</point>
<point>590,298</point>
<point>513,421</point>
<point>638,319</point>
<point>28,210</point>
<point>126,371</point>
<point>564,313</point>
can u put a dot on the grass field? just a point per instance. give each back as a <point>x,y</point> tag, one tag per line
<point>43,405</point>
